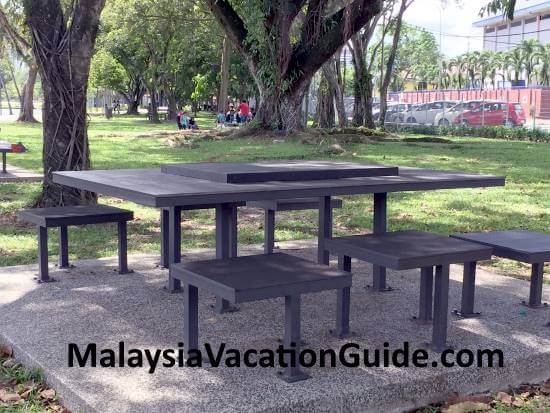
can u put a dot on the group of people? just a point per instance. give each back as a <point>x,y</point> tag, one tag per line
<point>185,121</point>
<point>234,117</point>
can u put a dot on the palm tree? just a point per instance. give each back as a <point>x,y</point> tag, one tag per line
<point>497,66</point>
<point>530,50</point>
<point>544,65</point>
<point>483,66</point>
<point>471,65</point>
<point>458,63</point>
<point>514,59</point>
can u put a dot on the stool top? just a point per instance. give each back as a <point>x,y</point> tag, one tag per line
<point>75,215</point>
<point>404,250</point>
<point>296,204</point>
<point>258,277</point>
<point>524,246</point>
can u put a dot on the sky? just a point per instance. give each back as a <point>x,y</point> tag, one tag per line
<point>457,16</point>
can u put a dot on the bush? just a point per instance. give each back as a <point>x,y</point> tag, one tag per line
<point>490,132</point>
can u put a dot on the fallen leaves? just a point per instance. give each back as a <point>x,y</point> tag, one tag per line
<point>6,351</point>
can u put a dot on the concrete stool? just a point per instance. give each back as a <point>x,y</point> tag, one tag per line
<point>404,250</point>
<point>62,217</point>
<point>270,207</point>
<point>524,246</point>
<point>261,277</point>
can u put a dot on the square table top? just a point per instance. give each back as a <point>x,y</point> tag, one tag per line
<point>524,246</point>
<point>266,171</point>
<point>403,250</point>
<point>153,188</point>
<point>258,277</point>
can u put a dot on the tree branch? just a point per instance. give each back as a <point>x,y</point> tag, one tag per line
<point>20,44</point>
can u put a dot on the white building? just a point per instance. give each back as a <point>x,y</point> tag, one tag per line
<point>531,21</point>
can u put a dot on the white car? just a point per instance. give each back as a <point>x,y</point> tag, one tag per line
<point>446,118</point>
<point>425,113</point>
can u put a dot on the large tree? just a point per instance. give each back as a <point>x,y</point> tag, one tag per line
<point>285,42</point>
<point>63,37</point>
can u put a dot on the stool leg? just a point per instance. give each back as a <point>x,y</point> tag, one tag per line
<point>164,238</point>
<point>174,245</point>
<point>234,232</point>
<point>191,319</point>
<point>63,247</point>
<point>426,295</point>
<point>380,223</point>
<point>292,339</point>
<point>342,313</point>
<point>325,229</point>
<point>535,289</point>
<point>269,231</point>
<point>43,275</point>
<point>441,308</point>
<point>468,292</point>
<point>224,218</point>
<point>123,248</point>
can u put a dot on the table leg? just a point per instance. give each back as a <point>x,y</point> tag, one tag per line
<point>441,308</point>
<point>325,229</point>
<point>225,216</point>
<point>425,313</point>
<point>164,238</point>
<point>535,289</point>
<point>468,292</point>
<point>292,340</point>
<point>269,231</point>
<point>174,245</point>
<point>4,161</point>
<point>379,227</point>
<point>63,247</point>
<point>43,275</point>
<point>123,248</point>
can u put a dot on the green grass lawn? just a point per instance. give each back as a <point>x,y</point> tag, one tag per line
<point>131,142</point>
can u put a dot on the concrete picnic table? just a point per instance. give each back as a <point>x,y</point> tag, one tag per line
<point>155,188</point>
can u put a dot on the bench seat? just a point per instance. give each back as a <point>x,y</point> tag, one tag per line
<point>523,246</point>
<point>261,277</point>
<point>62,217</point>
<point>403,250</point>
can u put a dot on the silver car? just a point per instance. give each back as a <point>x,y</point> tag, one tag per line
<point>425,113</point>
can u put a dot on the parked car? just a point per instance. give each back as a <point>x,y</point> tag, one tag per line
<point>426,113</point>
<point>493,114</point>
<point>448,117</point>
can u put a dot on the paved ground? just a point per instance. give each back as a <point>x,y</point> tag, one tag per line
<point>91,303</point>
<point>16,174</point>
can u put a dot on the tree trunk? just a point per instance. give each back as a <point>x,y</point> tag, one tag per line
<point>26,113</point>
<point>7,94</point>
<point>391,60</point>
<point>330,74</point>
<point>325,104</point>
<point>63,55</point>
<point>305,105</point>
<point>172,105</point>
<point>154,113</point>
<point>224,75</point>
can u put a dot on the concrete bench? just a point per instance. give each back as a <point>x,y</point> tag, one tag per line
<point>270,207</point>
<point>524,246</point>
<point>404,250</point>
<point>261,277</point>
<point>62,217</point>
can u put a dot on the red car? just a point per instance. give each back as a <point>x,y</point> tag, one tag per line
<point>493,114</point>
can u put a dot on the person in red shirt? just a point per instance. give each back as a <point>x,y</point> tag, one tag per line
<point>244,111</point>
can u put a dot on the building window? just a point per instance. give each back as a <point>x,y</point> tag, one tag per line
<point>545,16</point>
<point>503,27</point>
<point>515,24</point>
<point>531,20</point>
<point>490,30</point>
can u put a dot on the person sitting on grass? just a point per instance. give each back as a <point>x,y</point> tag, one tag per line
<point>244,111</point>
<point>192,124</point>
<point>179,114</point>
<point>220,120</point>
<point>231,117</point>
<point>185,120</point>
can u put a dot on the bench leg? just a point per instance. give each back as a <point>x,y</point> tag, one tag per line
<point>441,308</point>
<point>269,231</point>
<point>468,292</point>
<point>164,238</point>
<point>379,227</point>
<point>234,231</point>
<point>123,248</point>
<point>43,275</point>
<point>291,341</point>
<point>325,229</point>
<point>535,289</point>
<point>191,318</point>
<point>63,248</point>
<point>4,161</point>
<point>174,245</point>
<point>425,312</point>
<point>225,215</point>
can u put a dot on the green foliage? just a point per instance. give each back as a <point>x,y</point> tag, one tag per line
<point>490,132</point>
<point>106,72</point>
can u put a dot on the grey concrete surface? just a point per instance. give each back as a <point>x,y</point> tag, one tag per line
<point>92,303</point>
<point>16,174</point>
